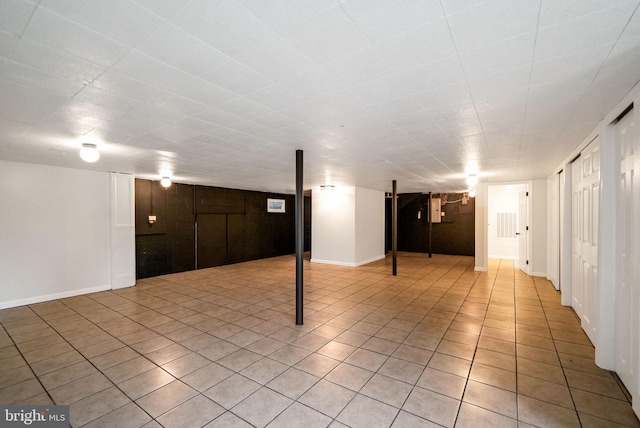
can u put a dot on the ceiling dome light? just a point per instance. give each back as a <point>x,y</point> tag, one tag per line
<point>89,153</point>
<point>165,182</point>
<point>472,180</point>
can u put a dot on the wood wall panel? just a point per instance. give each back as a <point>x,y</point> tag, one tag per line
<point>233,226</point>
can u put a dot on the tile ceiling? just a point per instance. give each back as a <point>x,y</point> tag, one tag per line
<point>223,92</point>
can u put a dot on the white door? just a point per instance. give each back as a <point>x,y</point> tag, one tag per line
<point>627,292</point>
<point>576,236</point>
<point>586,200</point>
<point>523,231</point>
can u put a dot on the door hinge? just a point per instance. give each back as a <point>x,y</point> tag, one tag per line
<point>527,228</point>
<point>527,261</point>
<point>527,194</point>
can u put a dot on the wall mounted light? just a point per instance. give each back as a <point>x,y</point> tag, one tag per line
<point>165,182</point>
<point>472,180</point>
<point>327,187</point>
<point>472,193</point>
<point>89,153</point>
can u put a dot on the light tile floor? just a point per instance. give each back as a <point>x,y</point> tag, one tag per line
<point>438,345</point>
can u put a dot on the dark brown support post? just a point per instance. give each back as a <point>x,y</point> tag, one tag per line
<point>299,224</point>
<point>430,222</point>
<point>394,227</point>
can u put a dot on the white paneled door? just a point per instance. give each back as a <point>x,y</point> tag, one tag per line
<point>627,290</point>
<point>585,216</point>
<point>523,230</point>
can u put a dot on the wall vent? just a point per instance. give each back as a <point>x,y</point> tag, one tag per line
<point>506,225</point>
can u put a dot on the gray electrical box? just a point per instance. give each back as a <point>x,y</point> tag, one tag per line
<point>436,210</point>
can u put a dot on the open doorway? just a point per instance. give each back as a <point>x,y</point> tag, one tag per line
<point>508,213</point>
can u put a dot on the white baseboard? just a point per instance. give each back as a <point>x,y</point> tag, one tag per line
<point>332,262</point>
<point>54,296</point>
<point>504,257</point>
<point>337,263</point>
<point>371,260</point>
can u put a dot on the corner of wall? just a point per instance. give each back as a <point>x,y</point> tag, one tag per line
<point>481,232</point>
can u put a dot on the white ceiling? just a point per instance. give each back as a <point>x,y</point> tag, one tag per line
<point>223,92</point>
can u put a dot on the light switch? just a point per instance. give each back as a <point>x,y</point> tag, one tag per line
<point>152,219</point>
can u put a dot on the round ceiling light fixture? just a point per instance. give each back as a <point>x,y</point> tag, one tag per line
<point>89,153</point>
<point>165,182</point>
<point>472,179</point>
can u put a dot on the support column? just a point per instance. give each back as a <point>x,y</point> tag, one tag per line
<point>430,222</point>
<point>299,223</point>
<point>394,227</point>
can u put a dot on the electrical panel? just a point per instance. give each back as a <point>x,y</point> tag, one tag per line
<point>436,210</point>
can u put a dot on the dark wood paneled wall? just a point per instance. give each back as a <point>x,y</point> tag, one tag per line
<point>228,225</point>
<point>455,235</point>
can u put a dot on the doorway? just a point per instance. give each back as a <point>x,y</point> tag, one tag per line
<point>508,218</point>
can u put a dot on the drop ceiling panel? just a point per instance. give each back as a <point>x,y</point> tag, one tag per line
<point>237,78</point>
<point>19,74</point>
<point>14,15</point>
<point>7,42</point>
<point>276,59</point>
<point>556,12</point>
<point>583,33</point>
<point>63,34</point>
<point>120,84</point>
<point>422,45</point>
<point>471,29</point>
<point>327,36</point>
<point>163,8</point>
<point>382,20</point>
<point>223,24</point>
<point>181,50</point>
<point>120,20</point>
<point>503,55</point>
<point>27,104</point>
<point>575,68</point>
<point>358,68</point>
<point>55,63</point>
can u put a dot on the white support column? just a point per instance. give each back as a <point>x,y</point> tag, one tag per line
<point>607,249</point>
<point>123,239</point>
<point>482,228</point>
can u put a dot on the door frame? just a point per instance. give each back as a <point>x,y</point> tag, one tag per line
<point>517,186</point>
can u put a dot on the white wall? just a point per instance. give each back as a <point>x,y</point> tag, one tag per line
<point>347,226</point>
<point>333,225</point>
<point>538,233</point>
<point>370,213</point>
<point>553,234</point>
<point>54,233</point>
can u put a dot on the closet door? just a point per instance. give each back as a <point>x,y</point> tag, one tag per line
<point>576,237</point>
<point>627,291</point>
<point>586,201</point>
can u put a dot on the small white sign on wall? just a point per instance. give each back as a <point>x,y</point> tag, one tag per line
<point>275,205</point>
